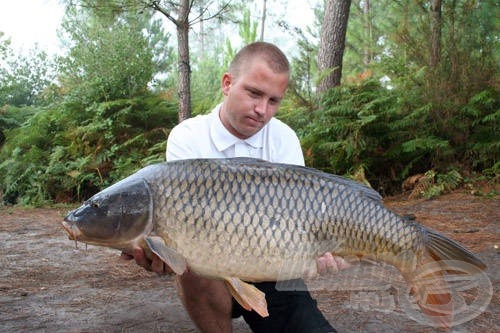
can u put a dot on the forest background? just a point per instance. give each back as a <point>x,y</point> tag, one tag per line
<point>412,90</point>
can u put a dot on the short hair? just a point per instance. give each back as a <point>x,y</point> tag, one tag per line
<point>270,53</point>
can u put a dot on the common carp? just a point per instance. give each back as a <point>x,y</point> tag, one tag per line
<point>244,219</point>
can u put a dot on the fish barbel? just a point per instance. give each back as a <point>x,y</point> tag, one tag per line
<point>244,219</point>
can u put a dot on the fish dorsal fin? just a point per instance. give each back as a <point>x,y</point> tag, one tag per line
<point>169,256</point>
<point>248,296</point>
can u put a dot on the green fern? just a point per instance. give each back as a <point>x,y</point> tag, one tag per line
<point>434,184</point>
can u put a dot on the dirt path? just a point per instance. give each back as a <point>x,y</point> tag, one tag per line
<point>46,285</point>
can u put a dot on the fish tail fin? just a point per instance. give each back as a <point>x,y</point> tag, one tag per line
<point>430,289</point>
<point>431,292</point>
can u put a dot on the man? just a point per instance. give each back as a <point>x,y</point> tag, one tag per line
<point>243,126</point>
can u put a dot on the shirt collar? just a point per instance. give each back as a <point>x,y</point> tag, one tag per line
<point>223,139</point>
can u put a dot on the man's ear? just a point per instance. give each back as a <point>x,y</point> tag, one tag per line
<point>226,83</point>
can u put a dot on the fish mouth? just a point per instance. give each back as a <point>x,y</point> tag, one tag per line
<point>72,230</point>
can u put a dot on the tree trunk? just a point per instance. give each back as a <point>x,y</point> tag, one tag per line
<point>454,57</point>
<point>435,37</point>
<point>368,35</point>
<point>202,33</point>
<point>263,21</point>
<point>332,43</point>
<point>183,91</point>
<point>183,9</point>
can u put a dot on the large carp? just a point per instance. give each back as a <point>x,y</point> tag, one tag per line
<point>244,219</point>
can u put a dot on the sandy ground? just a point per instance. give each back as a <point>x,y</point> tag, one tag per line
<point>47,285</point>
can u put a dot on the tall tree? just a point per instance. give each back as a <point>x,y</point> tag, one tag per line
<point>182,25</point>
<point>263,19</point>
<point>183,22</point>
<point>4,45</point>
<point>24,82</point>
<point>183,15</point>
<point>368,33</point>
<point>332,43</point>
<point>435,36</point>
<point>110,57</point>
<point>24,78</point>
<point>248,28</point>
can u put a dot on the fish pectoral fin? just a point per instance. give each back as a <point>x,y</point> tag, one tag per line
<point>169,256</point>
<point>248,296</point>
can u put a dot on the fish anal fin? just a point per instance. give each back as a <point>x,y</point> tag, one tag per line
<point>248,296</point>
<point>168,255</point>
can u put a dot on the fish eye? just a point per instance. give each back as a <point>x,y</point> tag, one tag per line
<point>94,204</point>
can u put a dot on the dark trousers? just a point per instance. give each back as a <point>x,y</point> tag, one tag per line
<point>289,311</point>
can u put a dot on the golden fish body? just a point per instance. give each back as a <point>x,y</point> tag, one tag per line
<point>248,220</point>
<point>251,219</point>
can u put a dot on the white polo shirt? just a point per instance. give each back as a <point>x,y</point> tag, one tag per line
<point>204,136</point>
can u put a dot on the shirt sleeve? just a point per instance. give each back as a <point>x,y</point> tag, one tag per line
<point>286,146</point>
<point>180,143</point>
<point>291,151</point>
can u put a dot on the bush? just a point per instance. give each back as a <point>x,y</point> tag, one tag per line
<point>389,134</point>
<point>65,153</point>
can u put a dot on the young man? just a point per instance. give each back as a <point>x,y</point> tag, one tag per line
<point>243,126</point>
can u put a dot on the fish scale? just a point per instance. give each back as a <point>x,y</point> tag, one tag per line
<point>229,195</point>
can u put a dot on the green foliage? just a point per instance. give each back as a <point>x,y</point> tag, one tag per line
<point>12,117</point>
<point>111,57</point>
<point>398,118</point>
<point>24,79</point>
<point>420,118</point>
<point>347,131</point>
<point>482,116</point>
<point>388,135</point>
<point>205,83</point>
<point>248,29</point>
<point>433,184</point>
<point>4,45</point>
<point>60,155</point>
<point>303,67</point>
<point>22,169</point>
<point>105,126</point>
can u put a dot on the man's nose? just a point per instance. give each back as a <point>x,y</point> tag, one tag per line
<point>261,107</point>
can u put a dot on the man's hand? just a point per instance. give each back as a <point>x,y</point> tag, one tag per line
<point>155,264</point>
<point>328,264</point>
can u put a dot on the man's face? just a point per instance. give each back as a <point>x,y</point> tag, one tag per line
<point>252,98</point>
